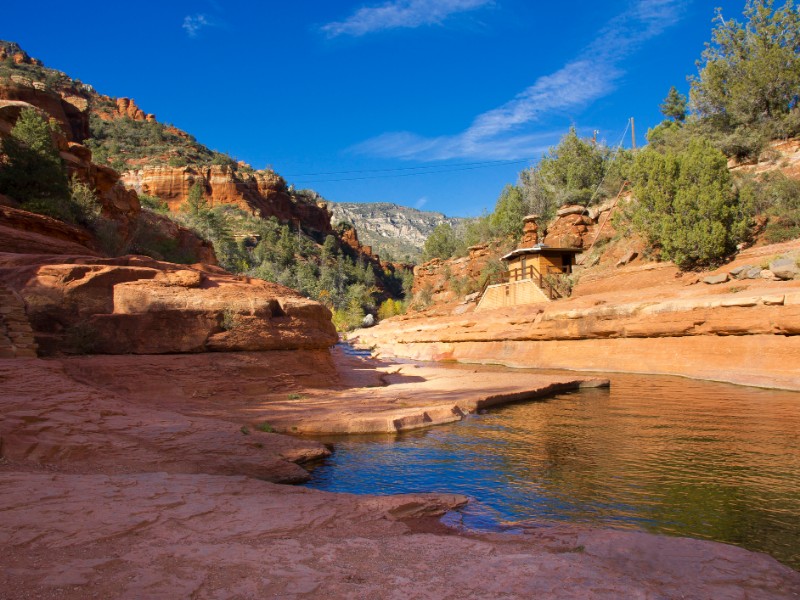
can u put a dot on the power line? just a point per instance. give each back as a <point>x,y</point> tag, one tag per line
<point>483,162</point>
<point>434,171</point>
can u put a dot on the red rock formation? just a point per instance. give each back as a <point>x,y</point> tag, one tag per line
<point>68,109</point>
<point>17,54</point>
<point>139,305</point>
<point>16,335</point>
<point>127,108</point>
<point>437,276</point>
<point>24,232</point>
<point>263,193</point>
<point>530,232</point>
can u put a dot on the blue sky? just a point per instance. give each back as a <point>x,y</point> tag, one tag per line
<point>358,90</point>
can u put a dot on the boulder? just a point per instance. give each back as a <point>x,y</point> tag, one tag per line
<point>574,209</point>
<point>738,272</point>
<point>473,297</point>
<point>768,275</point>
<point>368,321</point>
<point>716,279</point>
<point>627,257</point>
<point>785,268</point>
<point>752,273</point>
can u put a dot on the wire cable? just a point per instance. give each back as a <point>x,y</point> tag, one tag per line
<point>432,172</point>
<point>483,162</point>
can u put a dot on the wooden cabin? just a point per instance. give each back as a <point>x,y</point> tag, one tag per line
<point>539,261</point>
<point>526,278</point>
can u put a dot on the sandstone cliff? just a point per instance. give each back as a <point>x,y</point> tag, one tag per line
<point>125,224</point>
<point>263,193</point>
<point>79,304</point>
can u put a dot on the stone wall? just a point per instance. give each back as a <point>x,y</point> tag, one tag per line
<point>511,294</point>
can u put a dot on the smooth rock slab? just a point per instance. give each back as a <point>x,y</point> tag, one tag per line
<point>180,536</point>
<point>716,279</point>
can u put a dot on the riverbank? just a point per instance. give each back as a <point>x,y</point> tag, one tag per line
<point>143,477</point>
<point>647,318</point>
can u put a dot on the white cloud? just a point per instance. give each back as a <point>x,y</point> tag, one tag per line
<point>400,14</point>
<point>590,76</point>
<point>421,202</point>
<point>194,23</point>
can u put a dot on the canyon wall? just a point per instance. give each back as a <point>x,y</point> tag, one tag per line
<point>262,193</point>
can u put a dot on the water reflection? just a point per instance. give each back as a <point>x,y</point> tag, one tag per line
<point>661,454</point>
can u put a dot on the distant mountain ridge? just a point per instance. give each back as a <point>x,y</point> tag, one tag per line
<point>390,228</point>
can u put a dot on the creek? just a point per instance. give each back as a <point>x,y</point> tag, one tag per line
<point>660,454</point>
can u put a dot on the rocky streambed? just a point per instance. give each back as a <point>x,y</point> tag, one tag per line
<point>152,476</point>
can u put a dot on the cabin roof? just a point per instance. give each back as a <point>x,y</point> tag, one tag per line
<point>539,249</point>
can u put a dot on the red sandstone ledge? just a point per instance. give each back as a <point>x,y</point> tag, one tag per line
<point>135,477</point>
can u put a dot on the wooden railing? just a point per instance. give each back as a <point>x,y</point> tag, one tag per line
<point>530,272</point>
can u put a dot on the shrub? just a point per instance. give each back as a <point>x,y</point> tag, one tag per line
<point>86,206</point>
<point>229,319</point>
<point>687,205</point>
<point>153,203</point>
<point>569,173</point>
<point>424,298</point>
<point>510,209</point>
<point>32,172</point>
<point>441,243</point>
<point>177,161</point>
<point>776,196</point>
<point>390,308</point>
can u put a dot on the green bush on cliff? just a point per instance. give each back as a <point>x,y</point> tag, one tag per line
<point>31,171</point>
<point>569,173</point>
<point>687,205</point>
<point>778,198</point>
<point>747,90</point>
<point>750,72</point>
<point>441,243</point>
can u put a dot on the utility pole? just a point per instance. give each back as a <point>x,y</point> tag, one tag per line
<point>633,135</point>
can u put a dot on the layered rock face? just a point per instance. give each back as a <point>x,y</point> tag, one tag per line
<point>399,230</point>
<point>69,109</point>
<point>24,232</point>
<point>645,318</point>
<point>263,193</point>
<point>780,155</point>
<point>437,276</point>
<point>118,204</point>
<point>142,306</point>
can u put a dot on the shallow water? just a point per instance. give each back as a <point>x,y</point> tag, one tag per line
<point>660,454</point>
